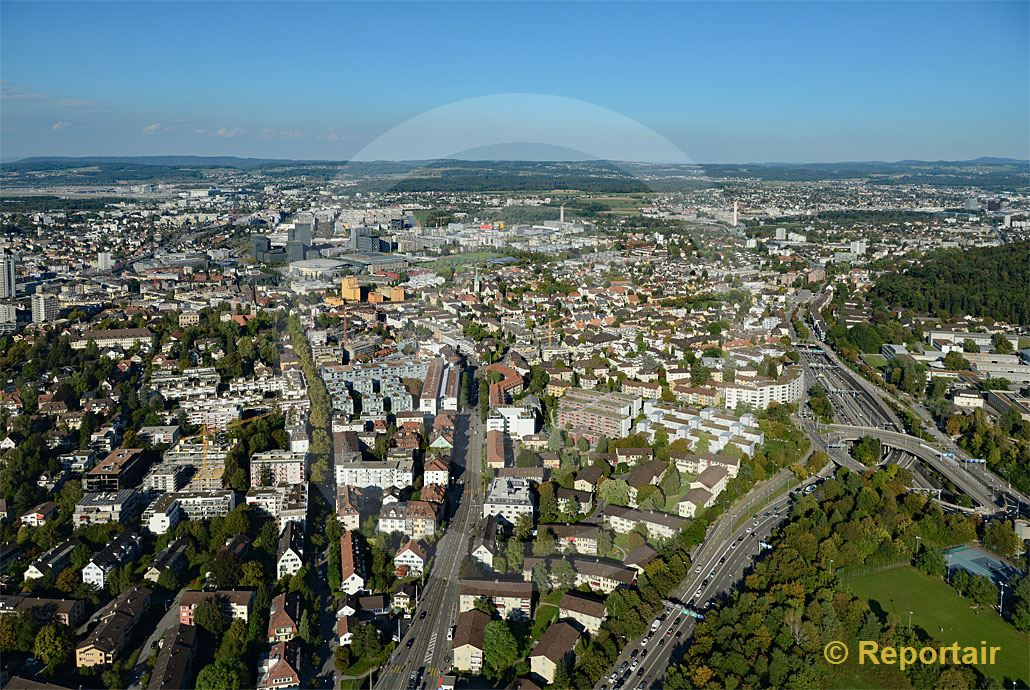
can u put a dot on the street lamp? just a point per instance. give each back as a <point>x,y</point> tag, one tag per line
<point>909,620</point>
<point>1001,598</point>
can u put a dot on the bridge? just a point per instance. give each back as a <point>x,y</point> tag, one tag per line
<point>953,471</point>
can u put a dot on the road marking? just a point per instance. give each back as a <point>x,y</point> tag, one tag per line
<point>430,649</point>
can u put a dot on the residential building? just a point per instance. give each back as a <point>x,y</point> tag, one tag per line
<point>122,469</point>
<point>352,563</point>
<point>236,603</point>
<point>513,598</point>
<point>555,648</point>
<point>507,498</point>
<point>123,549</point>
<point>583,611</point>
<point>173,668</point>
<point>117,623</point>
<point>284,617</point>
<point>289,556</point>
<point>281,667</point>
<point>467,644</point>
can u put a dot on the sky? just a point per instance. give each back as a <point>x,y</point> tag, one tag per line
<point>666,81</point>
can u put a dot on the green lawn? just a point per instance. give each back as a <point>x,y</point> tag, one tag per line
<point>545,613</point>
<point>935,605</point>
<point>875,361</point>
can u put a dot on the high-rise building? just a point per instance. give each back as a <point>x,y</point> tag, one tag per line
<point>44,308</point>
<point>104,261</point>
<point>7,280</point>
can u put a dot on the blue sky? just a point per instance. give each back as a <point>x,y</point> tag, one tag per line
<point>715,82</point>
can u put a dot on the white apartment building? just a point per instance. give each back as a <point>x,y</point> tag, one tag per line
<point>508,498</point>
<point>516,422</point>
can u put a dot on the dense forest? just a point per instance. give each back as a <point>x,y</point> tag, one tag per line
<point>984,282</point>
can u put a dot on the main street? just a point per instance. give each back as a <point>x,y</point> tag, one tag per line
<point>425,645</point>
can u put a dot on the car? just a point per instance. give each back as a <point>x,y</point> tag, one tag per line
<point>411,641</point>
<point>755,522</point>
<point>640,673</point>
<point>644,641</point>
<point>722,560</point>
<point>643,653</point>
<point>612,677</point>
<point>712,574</point>
<point>668,633</point>
<point>422,616</point>
<point>623,667</point>
<point>661,641</point>
<point>640,685</point>
<point>697,569</point>
<point>634,653</point>
<point>733,545</point>
<point>635,663</point>
<point>679,634</point>
<point>698,592</point>
<point>749,530</point>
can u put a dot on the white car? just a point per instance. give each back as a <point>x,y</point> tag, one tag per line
<point>697,569</point>
<point>644,641</point>
<point>698,592</point>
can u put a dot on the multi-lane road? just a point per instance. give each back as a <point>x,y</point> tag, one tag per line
<point>717,566</point>
<point>424,649</point>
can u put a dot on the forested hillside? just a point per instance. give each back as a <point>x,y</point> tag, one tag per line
<point>991,281</point>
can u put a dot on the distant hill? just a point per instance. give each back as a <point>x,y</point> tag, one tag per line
<point>534,168</point>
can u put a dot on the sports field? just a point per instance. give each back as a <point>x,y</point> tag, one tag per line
<point>935,605</point>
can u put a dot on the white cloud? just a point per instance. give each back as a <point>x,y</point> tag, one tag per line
<point>61,124</point>
<point>153,127</point>
<point>227,133</point>
<point>333,135</point>
<point>200,131</point>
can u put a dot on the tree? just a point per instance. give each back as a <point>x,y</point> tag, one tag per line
<point>563,576</point>
<point>548,502</point>
<point>53,645</point>
<point>868,450</point>
<point>224,674</point>
<point>982,591</point>
<point>210,616</point>
<point>541,578</point>
<point>226,569</point>
<point>955,361</point>
<point>500,649</point>
<point>969,345</point>
<point>931,562</point>
<point>307,630</point>
<point>523,526</point>
<point>169,580</point>
<point>1001,344</point>
<point>615,492</point>
<point>1021,604</point>
<point>1001,538</point>
<point>253,575</point>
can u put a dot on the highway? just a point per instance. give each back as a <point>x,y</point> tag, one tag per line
<point>863,412</point>
<point>429,647</point>
<point>717,566</point>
